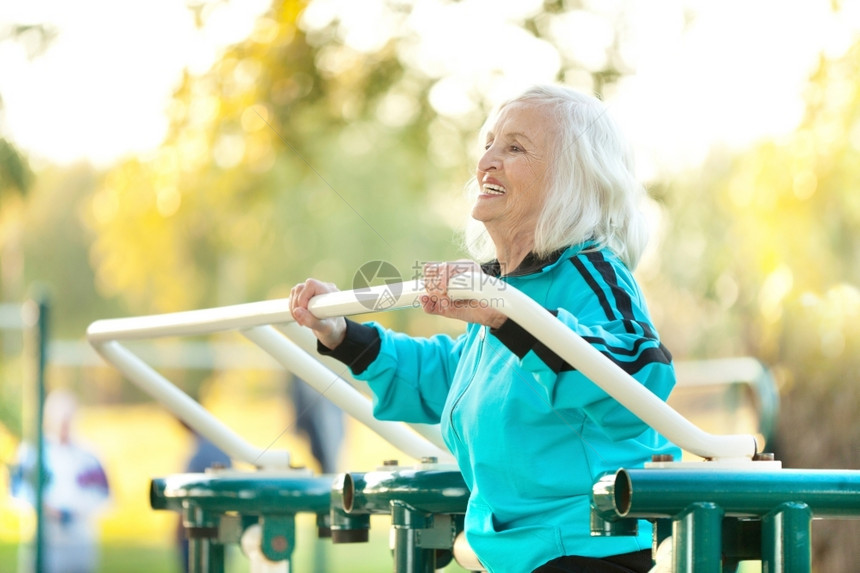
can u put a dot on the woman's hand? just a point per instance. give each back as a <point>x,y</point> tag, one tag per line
<point>437,276</point>
<point>329,331</point>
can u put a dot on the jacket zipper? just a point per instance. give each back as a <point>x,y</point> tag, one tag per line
<point>485,330</point>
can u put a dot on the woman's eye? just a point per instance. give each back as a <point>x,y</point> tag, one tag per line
<point>516,148</point>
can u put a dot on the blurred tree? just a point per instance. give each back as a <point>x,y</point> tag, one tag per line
<point>275,162</point>
<point>306,150</point>
<point>16,179</point>
<point>16,176</point>
<point>56,247</point>
<point>15,173</point>
<point>775,231</point>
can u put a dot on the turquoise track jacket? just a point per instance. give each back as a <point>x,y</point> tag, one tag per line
<point>530,433</point>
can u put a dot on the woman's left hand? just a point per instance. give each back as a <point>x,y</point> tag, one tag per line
<point>437,276</point>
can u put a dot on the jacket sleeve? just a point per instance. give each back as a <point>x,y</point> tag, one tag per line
<point>409,377</point>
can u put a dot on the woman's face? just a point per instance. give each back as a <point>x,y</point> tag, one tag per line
<point>513,172</point>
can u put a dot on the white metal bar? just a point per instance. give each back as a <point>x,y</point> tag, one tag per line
<point>531,316</point>
<point>567,344</point>
<point>188,410</point>
<point>720,371</point>
<point>329,384</point>
<point>192,322</point>
<point>602,371</point>
<point>303,338</point>
<point>244,316</point>
<point>105,333</point>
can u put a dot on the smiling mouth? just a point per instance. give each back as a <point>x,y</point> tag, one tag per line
<point>490,189</point>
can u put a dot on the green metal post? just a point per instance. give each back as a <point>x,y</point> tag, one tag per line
<point>205,555</point>
<point>205,552</point>
<point>787,539</point>
<point>662,530</point>
<point>424,506</point>
<point>409,555</point>
<point>697,538</point>
<point>41,304</point>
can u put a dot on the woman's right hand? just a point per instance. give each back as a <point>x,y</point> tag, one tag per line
<point>329,331</point>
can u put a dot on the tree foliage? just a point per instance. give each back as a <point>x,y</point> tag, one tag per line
<point>298,153</point>
<point>15,174</point>
<point>760,257</point>
<point>275,167</point>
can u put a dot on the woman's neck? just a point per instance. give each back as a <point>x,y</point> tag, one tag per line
<point>511,250</point>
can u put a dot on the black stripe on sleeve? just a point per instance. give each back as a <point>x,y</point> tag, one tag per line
<point>623,302</point>
<point>520,341</point>
<point>656,354</point>
<point>595,288</point>
<point>515,337</point>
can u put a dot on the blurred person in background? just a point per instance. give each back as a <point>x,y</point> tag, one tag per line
<point>320,421</point>
<point>556,214</point>
<point>75,490</point>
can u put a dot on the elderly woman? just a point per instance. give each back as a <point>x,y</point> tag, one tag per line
<point>556,216</point>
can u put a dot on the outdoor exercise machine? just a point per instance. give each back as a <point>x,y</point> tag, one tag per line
<point>737,504</point>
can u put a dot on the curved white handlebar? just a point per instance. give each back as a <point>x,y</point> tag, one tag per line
<point>605,373</point>
<point>564,342</point>
<point>251,318</point>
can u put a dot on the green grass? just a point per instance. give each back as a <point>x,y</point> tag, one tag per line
<point>311,556</point>
<point>138,559</point>
<point>115,558</point>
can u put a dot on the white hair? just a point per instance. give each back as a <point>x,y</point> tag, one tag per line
<point>592,194</point>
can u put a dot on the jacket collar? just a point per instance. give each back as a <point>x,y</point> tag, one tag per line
<point>534,264</point>
<point>530,265</point>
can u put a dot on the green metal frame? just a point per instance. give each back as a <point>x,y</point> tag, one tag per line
<point>208,503</point>
<point>427,507</point>
<point>718,517</point>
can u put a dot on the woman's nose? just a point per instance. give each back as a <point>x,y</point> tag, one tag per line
<point>489,160</point>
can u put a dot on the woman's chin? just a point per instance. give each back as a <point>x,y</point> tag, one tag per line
<point>483,211</point>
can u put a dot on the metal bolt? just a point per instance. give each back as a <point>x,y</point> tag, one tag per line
<point>390,463</point>
<point>764,457</point>
<point>279,543</point>
<point>429,460</point>
<point>662,458</point>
